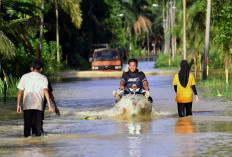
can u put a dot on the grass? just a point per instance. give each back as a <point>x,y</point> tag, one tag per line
<point>162,62</point>
<point>12,83</point>
<point>12,90</point>
<point>215,87</point>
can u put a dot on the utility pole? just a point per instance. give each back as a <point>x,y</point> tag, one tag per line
<point>207,36</point>
<point>184,39</point>
<point>41,30</point>
<point>164,27</point>
<point>172,25</point>
<point>168,28</point>
<point>148,48</point>
<point>57,32</point>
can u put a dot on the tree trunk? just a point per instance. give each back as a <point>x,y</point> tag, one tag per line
<point>130,48</point>
<point>184,38</point>
<point>148,48</point>
<point>167,28</point>
<point>195,64</point>
<point>172,25</point>
<point>41,29</point>
<point>57,33</point>
<point>207,36</point>
<point>199,61</point>
<point>164,27</point>
<point>173,36</point>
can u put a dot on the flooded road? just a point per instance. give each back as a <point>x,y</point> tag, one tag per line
<point>207,133</point>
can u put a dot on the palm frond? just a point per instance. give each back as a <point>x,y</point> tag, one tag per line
<point>71,7</point>
<point>143,24</point>
<point>28,27</point>
<point>7,48</point>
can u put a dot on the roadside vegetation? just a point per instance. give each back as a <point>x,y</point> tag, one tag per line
<point>220,34</point>
<point>214,87</point>
<point>61,32</point>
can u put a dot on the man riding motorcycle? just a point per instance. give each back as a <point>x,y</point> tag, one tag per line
<point>131,77</point>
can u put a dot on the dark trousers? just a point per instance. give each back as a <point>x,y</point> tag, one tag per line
<point>42,118</point>
<point>184,109</point>
<point>32,118</point>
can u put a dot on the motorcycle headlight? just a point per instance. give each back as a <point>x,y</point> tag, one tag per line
<point>94,68</point>
<point>117,67</point>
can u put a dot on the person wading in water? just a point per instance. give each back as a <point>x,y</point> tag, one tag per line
<point>183,82</point>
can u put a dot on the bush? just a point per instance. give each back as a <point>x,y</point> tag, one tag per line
<point>12,89</point>
<point>83,63</point>
<point>163,61</point>
<point>216,58</point>
<point>137,52</point>
<point>22,63</point>
<point>215,87</point>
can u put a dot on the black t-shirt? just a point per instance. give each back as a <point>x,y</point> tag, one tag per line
<point>136,77</point>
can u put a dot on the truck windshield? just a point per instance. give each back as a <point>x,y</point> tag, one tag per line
<point>106,56</point>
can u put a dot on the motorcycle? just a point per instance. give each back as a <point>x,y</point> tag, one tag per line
<point>134,102</point>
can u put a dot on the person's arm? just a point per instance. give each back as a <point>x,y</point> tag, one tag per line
<point>54,102</point>
<point>19,110</point>
<point>145,85</point>
<point>143,78</point>
<point>50,108</point>
<point>122,83</point>
<point>175,88</point>
<point>195,92</point>
<point>194,89</point>
<point>21,87</point>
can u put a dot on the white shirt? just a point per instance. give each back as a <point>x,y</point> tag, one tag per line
<point>33,84</point>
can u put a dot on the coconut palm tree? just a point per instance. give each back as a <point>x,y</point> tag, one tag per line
<point>13,31</point>
<point>137,17</point>
<point>195,30</point>
<point>70,7</point>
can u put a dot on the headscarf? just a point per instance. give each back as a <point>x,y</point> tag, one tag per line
<point>184,73</point>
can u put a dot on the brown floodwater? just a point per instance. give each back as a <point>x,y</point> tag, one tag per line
<point>207,133</point>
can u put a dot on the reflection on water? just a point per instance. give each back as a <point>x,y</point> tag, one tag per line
<point>134,141</point>
<point>185,144</point>
<point>184,126</point>
<point>134,129</point>
<point>137,130</point>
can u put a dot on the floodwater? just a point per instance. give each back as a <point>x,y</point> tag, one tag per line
<point>207,133</point>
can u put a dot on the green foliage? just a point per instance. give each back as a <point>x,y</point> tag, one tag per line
<point>83,63</point>
<point>178,59</point>
<point>215,86</point>
<point>137,52</point>
<point>12,28</point>
<point>12,90</point>
<point>22,63</point>
<point>216,57</point>
<point>72,8</point>
<point>222,20</point>
<point>48,57</point>
<point>1,87</point>
<point>163,61</point>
